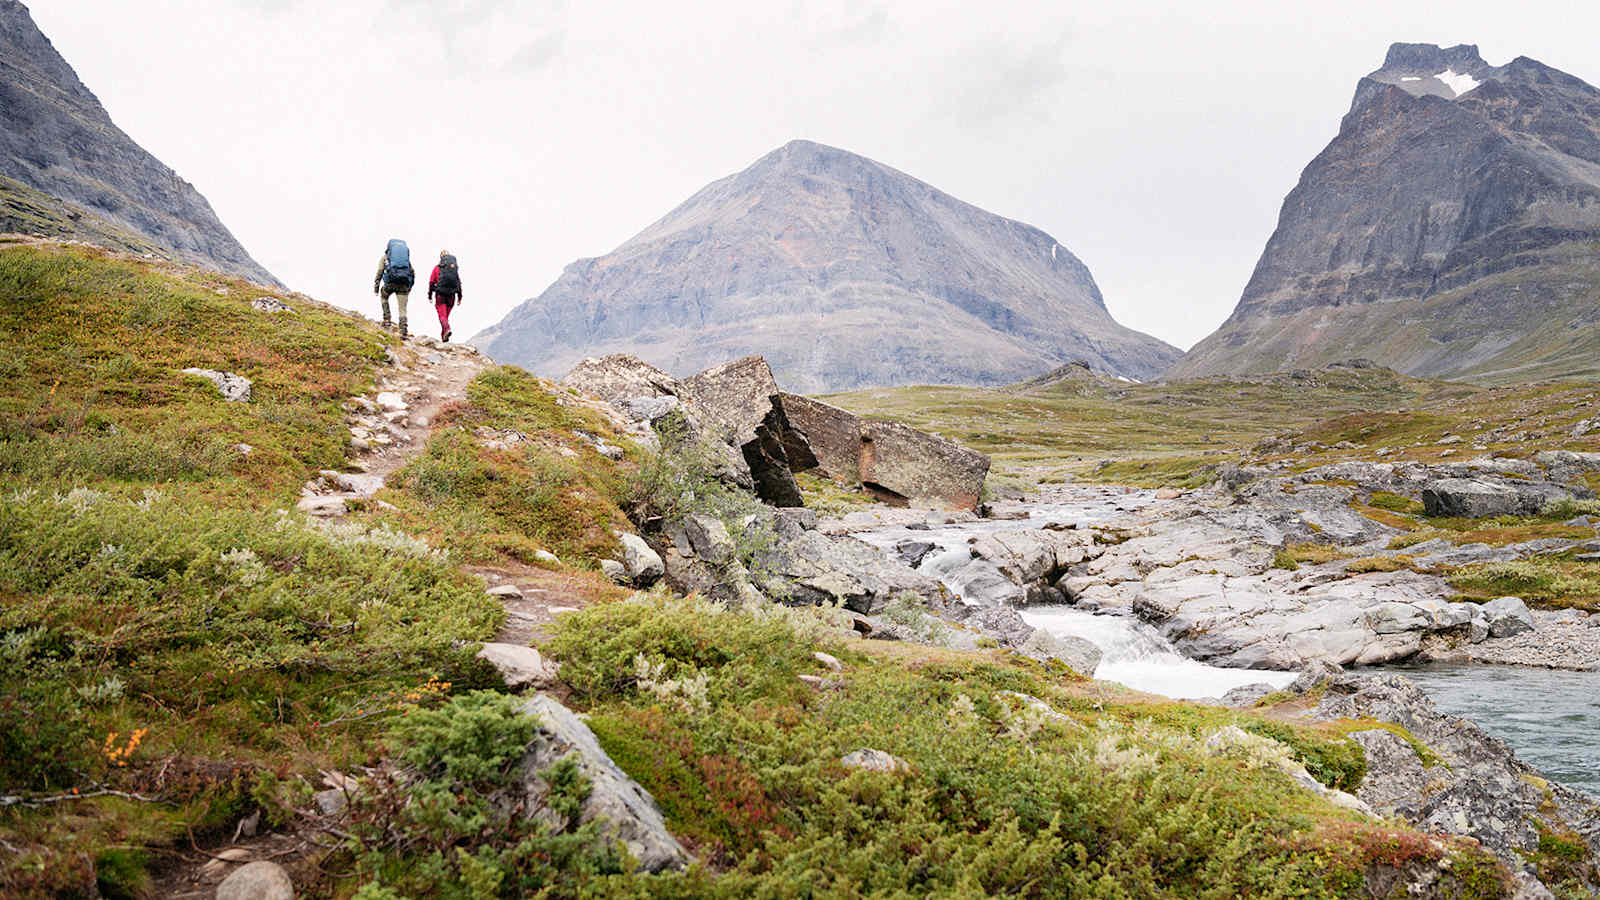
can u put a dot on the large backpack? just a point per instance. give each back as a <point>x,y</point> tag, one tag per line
<point>398,273</point>
<point>449,282</point>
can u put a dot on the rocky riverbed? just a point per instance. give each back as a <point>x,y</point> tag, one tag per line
<point>1204,568</point>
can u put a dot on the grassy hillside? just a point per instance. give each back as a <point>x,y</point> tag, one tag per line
<point>1071,425</point>
<point>179,653</point>
<point>29,212</point>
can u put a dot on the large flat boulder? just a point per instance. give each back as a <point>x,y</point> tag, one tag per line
<point>921,468</point>
<point>832,436</point>
<point>1474,498</point>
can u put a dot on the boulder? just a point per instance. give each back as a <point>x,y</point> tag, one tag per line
<point>392,401</point>
<point>643,564</point>
<point>873,761</point>
<point>234,388</point>
<point>913,552</point>
<point>832,436</point>
<point>1080,655</point>
<point>1506,616</point>
<point>619,378</point>
<point>519,665</point>
<point>1022,556</point>
<point>625,811</point>
<point>615,571</point>
<point>735,401</point>
<point>1474,498</point>
<point>270,305</point>
<point>260,880</point>
<point>900,462</point>
<point>981,583</point>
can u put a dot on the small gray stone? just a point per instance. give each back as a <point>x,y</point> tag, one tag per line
<point>520,666</point>
<point>330,802</point>
<point>829,660</point>
<point>322,507</point>
<point>873,761</point>
<point>271,305</point>
<point>260,880</point>
<point>642,563</point>
<point>505,592</point>
<point>614,570</point>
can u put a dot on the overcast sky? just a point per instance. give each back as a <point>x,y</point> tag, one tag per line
<point>1156,141</point>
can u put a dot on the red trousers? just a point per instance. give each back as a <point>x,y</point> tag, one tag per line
<point>443,304</point>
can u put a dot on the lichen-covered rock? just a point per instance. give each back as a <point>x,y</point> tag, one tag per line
<point>625,810</point>
<point>620,377</point>
<point>642,563</point>
<point>1080,655</point>
<point>1507,616</point>
<point>234,388</point>
<point>873,761</point>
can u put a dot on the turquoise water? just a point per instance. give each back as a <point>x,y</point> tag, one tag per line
<point>1550,718</point>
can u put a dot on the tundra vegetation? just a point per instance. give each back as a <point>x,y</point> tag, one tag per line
<point>178,653</point>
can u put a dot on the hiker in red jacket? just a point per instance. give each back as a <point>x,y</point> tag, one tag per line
<point>444,289</point>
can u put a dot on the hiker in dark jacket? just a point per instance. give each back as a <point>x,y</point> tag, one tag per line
<point>444,289</point>
<point>395,277</point>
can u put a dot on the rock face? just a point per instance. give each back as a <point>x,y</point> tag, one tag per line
<point>629,813</point>
<point>843,273</point>
<point>56,139</point>
<point>1475,498</point>
<point>1447,230</point>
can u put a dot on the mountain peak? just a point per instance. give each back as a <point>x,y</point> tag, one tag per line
<point>843,273</point>
<point>1431,58</point>
<point>1428,70</point>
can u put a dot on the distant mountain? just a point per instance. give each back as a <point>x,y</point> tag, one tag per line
<point>843,273</point>
<point>97,184</point>
<point>1451,229</point>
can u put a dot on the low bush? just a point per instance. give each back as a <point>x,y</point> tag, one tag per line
<point>547,489</point>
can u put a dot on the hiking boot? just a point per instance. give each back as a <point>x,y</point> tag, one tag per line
<point>403,334</point>
<point>387,325</point>
<point>446,336</point>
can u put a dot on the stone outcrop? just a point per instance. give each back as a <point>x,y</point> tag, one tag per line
<point>1476,787</point>
<point>57,140</point>
<point>1446,231</point>
<point>843,273</point>
<point>1475,498</point>
<point>625,810</point>
<point>761,436</point>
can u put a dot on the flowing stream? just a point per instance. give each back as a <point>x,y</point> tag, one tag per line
<point>1133,653</point>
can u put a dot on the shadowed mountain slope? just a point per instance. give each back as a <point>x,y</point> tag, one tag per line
<point>99,185</point>
<point>1452,228</point>
<point>843,273</point>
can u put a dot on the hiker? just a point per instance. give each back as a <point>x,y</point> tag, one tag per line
<point>444,289</point>
<point>395,277</point>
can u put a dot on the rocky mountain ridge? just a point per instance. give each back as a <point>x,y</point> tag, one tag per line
<point>56,139</point>
<point>843,273</point>
<point>1450,229</point>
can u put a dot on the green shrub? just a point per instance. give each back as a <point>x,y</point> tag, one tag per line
<point>1395,503</point>
<point>462,825</point>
